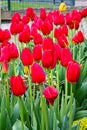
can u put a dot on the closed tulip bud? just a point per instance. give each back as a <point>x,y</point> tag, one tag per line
<point>37,74</point>
<point>43,13</point>
<point>5,53</point>
<point>18,86</point>
<point>4,67</point>
<point>25,19</point>
<point>48,44</point>
<point>49,59</point>
<point>63,42</point>
<point>7,34</point>
<point>66,56</point>
<point>30,13</point>
<point>58,51</point>
<point>14,51</point>
<point>37,39</point>
<point>16,17</point>
<point>73,72</point>
<point>26,57</point>
<point>37,52</point>
<point>50,93</point>
<point>62,7</point>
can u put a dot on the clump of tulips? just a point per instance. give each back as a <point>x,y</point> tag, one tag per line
<point>43,71</point>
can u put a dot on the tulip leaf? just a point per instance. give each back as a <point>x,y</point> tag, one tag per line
<point>18,126</point>
<point>76,127</point>
<point>8,123</point>
<point>65,123</point>
<point>80,114</point>
<point>15,115</point>
<point>82,91</point>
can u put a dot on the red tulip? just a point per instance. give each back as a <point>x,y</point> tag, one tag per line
<point>16,18</point>
<point>14,28</point>
<point>84,12</point>
<point>5,53</point>
<point>30,13</point>
<point>43,13</point>
<point>78,38</point>
<point>37,74</point>
<point>46,27</point>
<point>26,57</point>
<point>2,37</point>
<point>48,44</point>
<point>50,94</point>
<point>63,42</point>
<point>25,19</point>
<point>37,39</point>
<point>73,72</point>
<point>58,51</point>
<point>18,86</point>
<point>14,51</point>
<point>37,52</point>
<point>49,59</point>
<point>66,56</point>
<point>7,34</point>
<point>5,43</point>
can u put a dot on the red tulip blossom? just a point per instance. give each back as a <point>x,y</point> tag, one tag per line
<point>7,34</point>
<point>58,51</point>
<point>37,73</point>
<point>48,44</point>
<point>30,13</point>
<point>16,18</point>
<point>25,19</point>
<point>50,93</point>
<point>49,59</point>
<point>13,51</point>
<point>43,13</point>
<point>26,57</point>
<point>66,56</point>
<point>18,86</point>
<point>62,41</point>
<point>78,38</point>
<point>37,52</point>
<point>73,72</point>
<point>37,39</point>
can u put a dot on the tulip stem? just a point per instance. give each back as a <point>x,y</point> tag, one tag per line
<point>51,76</point>
<point>66,88</point>
<point>73,52</point>
<point>21,112</point>
<point>57,81</point>
<point>70,125</point>
<point>79,47</point>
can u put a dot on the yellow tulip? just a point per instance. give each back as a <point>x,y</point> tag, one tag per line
<point>62,7</point>
<point>26,69</point>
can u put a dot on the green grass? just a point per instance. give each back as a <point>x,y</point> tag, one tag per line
<point>23,5</point>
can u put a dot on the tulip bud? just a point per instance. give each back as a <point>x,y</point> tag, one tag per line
<point>62,7</point>
<point>50,94</point>
<point>73,72</point>
<point>18,86</point>
<point>37,74</point>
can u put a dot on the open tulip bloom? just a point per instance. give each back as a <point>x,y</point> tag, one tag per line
<point>43,79</point>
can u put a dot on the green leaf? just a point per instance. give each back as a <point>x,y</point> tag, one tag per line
<point>16,114</point>
<point>76,127</point>
<point>18,126</point>
<point>8,123</point>
<point>65,123</point>
<point>80,114</point>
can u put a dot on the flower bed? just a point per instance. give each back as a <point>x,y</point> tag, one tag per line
<point>43,71</point>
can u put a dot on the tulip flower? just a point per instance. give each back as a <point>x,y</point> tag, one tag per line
<point>78,38</point>
<point>37,39</point>
<point>43,13</point>
<point>50,93</point>
<point>26,57</point>
<point>18,86</point>
<point>25,19</point>
<point>48,44</point>
<point>73,72</point>
<point>66,56</point>
<point>16,18</point>
<point>37,74</point>
<point>30,13</point>
<point>62,7</point>
<point>37,52</point>
<point>63,42</point>
<point>49,59</point>
<point>13,51</point>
